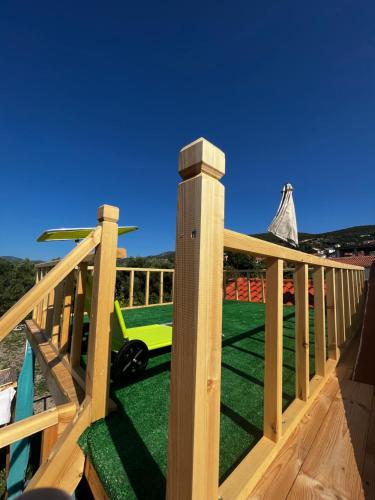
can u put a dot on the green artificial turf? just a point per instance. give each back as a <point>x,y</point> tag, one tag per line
<point>129,448</point>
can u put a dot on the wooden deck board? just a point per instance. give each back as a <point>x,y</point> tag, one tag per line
<point>334,463</point>
<point>369,465</point>
<point>281,475</point>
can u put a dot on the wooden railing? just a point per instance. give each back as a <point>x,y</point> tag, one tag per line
<point>81,398</point>
<point>193,453</point>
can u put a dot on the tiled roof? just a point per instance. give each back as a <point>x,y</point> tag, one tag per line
<point>357,260</point>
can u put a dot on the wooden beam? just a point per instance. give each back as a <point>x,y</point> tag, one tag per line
<point>94,482</point>
<point>319,321</point>
<point>238,242</point>
<point>103,293</point>
<point>28,426</point>
<point>332,314</point>
<point>352,296</point>
<point>24,306</point>
<point>248,287</point>
<point>79,310</point>
<point>59,379</point>
<point>273,362</point>
<point>193,444</point>
<point>302,331</point>
<point>49,313</point>
<point>262,285</point>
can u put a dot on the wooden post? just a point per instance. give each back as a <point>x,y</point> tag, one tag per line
<point>49,438</point>
<point>67,311</point>
<point>248,287</point>
<point>102,305</point>
<point>172,295</point>
<point>224,285</point>
<point>302,331</point>
<point>193,444</point>
<point>56,320</point>
<point>332,314</point>
<point>131,289</point>
<point>147,289</point>
<point>347,303</point>
<point>273,375</point>
<point>79,310</point>
<point>319,322</point>
<point>340,307</point>
<point>161,290</point>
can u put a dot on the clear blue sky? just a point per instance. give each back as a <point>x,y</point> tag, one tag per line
<point>97,98</point>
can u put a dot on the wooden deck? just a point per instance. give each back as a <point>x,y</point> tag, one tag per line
<point>331,454</point>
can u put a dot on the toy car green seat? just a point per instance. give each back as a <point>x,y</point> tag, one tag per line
<point>133,345</point>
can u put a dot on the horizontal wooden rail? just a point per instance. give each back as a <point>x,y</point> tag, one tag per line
<point>238,242</point>
<point>36,423</point>
<point>27,303</point>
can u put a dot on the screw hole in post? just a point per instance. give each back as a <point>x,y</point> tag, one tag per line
<point>193,234</point>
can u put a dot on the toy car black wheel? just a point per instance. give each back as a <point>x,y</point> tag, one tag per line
<point>132,358</point>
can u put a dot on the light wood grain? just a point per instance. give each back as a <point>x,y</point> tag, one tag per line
<point>103,293</point>
<point>302,331</point>
<point>94,482</point>
<point>238,242</point>
<point>66,311</point>
<point>193,444</point>
<point>331,314</point>
<point>347,303</point>
<point>319,321</point>
<point>79,309</point>
<point>161,289</point>
<point>272,420</point>
<point>147,289</point>
<point>340,307</point>
<point>336,458</point>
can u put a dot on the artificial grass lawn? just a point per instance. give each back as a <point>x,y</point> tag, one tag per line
<point>129,448</point>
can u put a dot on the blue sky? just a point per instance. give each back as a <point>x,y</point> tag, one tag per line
<point>97,98</point>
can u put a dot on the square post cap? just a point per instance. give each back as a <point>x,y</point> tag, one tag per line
<point>108,213</point>
<point>199,157</point>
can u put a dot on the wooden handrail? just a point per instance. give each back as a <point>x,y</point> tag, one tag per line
<point>36,423</point>
<point>26,304</point>
<point>238,242</point>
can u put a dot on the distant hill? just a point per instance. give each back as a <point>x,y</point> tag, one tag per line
<point>9,258</point>
<point>349,236</point>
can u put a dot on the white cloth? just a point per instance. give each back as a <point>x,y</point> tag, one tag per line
<point>6,398</point>
<point>284,224</point>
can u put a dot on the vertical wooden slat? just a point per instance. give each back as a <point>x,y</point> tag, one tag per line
<point>272,420</point>
<point>35,310</point>
<point>102,305</point>
<point>224,285</point>
<point>193,444</point>
<point>147,289</point>
<point>340,307</point>
<point>131,289</point>
<point>248,287</point>
<point>332,314</point>
<point>347,302</point>
<point>173,286</point>
<point>49,313</point>
<point>319,322</point>
<point>67,311</point>
<point>161,290</point>
<point>236,286</point>
<point>302,331</point>
<point>79,310</point>
<point>262,284</point>
<point>49,438</point>
<point>57,309</point>
<point>352,295</point>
